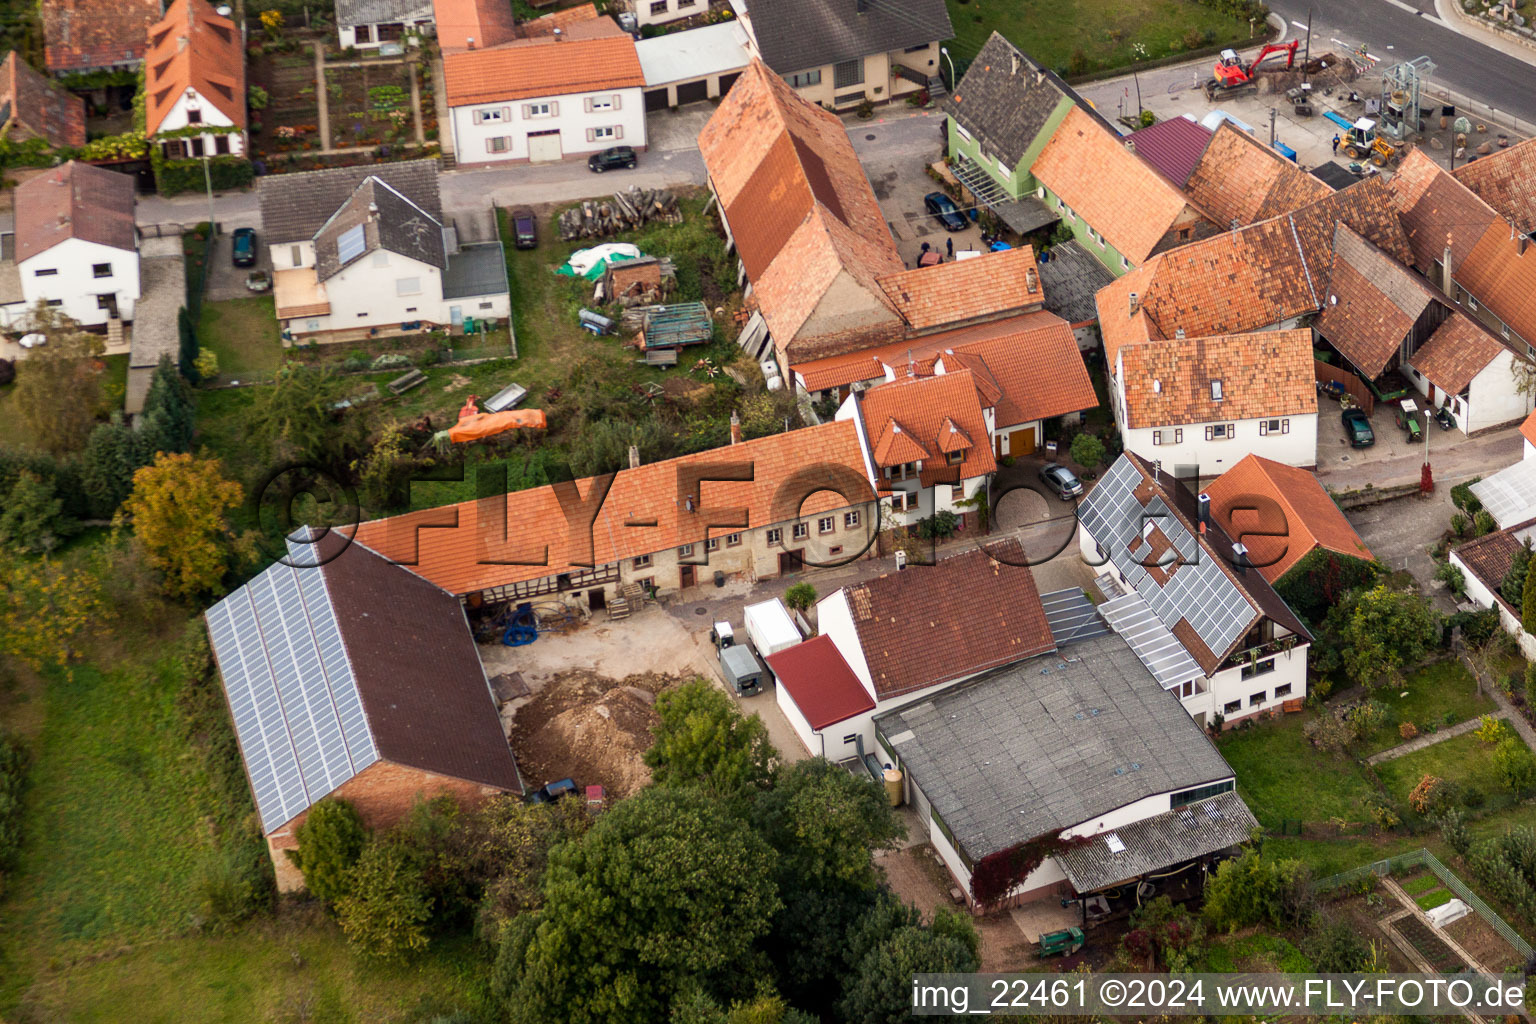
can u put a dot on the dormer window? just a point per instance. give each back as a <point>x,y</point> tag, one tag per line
<point>1215,390</point>
<point>955,458</point>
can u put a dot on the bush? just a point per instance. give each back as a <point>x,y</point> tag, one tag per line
<point>800,597</point>
<point>1453,829</point>
<point>1337,948</point>
<point>1516,764</point>
<point>1253,890</point>
<point>1472,797</point>
<point>231,886</point>
<point>7,371</point>
<point>13,778</point>
<point>1328,732</point>
<point>226,172</point>
<point>1530,683</point>
<point>1432,795</point>
<point>429,357</point>
<point>331,840</point>
<point>1463,498</point>
<point>1383,814</point>
<point>1452,576</point>
<point>1087,450</point>
<point>1366,718</point>
<point>1459,524</point>
<point>1483,522</point>
<point>387,907</point>
<point>1476,627</point>
<point>1491,730</point>
<point>939,525</point>
<point>1407,730</point>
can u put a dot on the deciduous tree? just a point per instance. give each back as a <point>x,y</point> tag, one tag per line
<point>58,385</point>
<point>177,510</point>
<point>44,608</point>
<point>1387,630</point>
<point>385,910</point>
<point>703,740</point>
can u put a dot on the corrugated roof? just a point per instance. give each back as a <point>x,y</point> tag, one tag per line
<point>1071,277</point>
<point>820,682</point>
<point>478,269</point>
<point>1510,494</point>
<point>376,12</point>
<point>1173,146</point>
<point>1158,842</point>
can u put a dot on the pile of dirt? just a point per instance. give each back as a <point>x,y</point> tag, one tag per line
<point>590,728</point>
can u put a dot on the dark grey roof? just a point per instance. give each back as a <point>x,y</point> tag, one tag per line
<point>1071,277</point>
<point>1049,743</point>
<point>797,34</point>
<point>1335,175</point>
<point>388,221</point>
<point>1161,841</point>
<point>295,206</point>
<point>376,12</point>
<point>1004,99</point>
<point>479,269</point>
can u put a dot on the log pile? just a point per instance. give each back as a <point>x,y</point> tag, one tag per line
<point>625,211</point>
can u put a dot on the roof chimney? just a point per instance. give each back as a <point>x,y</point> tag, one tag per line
<point>1240,558</point>
<point>1031,281</point>
<point>1179,334</point>
<point>559,35</point>
<point>1135,303</point>
<point>470,42</point>
<point>1130,144</point>
<point>634,456</point>
<point>735,428</point>
<point>1445,259</point>
<point>1015,63</point>
<point>1205,512</point>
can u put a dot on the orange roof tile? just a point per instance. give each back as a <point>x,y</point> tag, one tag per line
<point>1506,180</point>
<point>1297,511</point>
<point>1458,351</point>
<point>1528,428</point>
<point>1501,272</point>
<point>1039,373</point>
<point>38,108</point>
<point>602,58</point>
<point>924,406</point>
<point>949,293</point>
<point>1437,211</point>
<point>1168,382</point>
<point>952,438</point>
<point>485,22</point>
<point>192,47</point>
<point>1122,196</point>
<point>800,208</point>
<point>80,35</point>
<point>1239,179</point>
<point>472,546</point>
<point>1372,303</point>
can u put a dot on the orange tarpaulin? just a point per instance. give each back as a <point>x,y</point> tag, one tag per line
<point>485,424</point>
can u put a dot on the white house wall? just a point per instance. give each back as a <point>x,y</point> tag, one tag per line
<point>659,12</point>
<point>1229,686</point>
<point>176,119</point>
<point>1297,447</point>
<point>1480,595</point>
<point>283,255</point>
<point>74,283</point>
<point>473,141</point>
<point>808,736</point>
<point>367,293</point>
<point>1493,398</point>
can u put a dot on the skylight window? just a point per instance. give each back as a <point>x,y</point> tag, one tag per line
<point>1113,842</point>
<point>350,245</point>
<point>1215,390</point>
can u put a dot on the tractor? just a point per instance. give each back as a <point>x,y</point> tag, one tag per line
<point>1230,72</point>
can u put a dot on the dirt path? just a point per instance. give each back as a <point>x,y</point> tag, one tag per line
<point>1430,739</point>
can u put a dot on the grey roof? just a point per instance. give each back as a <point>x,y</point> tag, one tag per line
<point>389,221</point>
<point>1158,842</point>
<point>479,269</point>
<point>1071,616</point>
<point>162,293</point>
<point>1049,743</point>
<point>1071,276</point>
<point>1510,494</point>
<point>377,12</point>
<point>1004,99</point>
<point>295,206</point>
<point>793,35</point>
<point>1023,215</point>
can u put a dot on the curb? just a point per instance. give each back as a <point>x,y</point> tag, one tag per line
<point>1482,28</point>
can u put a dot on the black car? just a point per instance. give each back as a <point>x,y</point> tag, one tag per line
<point>244,243</point>
<point>608,159</point>
<point>523,228</point>
<point>550,792</point>
<point>945,211</point>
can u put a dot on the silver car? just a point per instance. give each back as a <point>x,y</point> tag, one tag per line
<point>1061,480</point>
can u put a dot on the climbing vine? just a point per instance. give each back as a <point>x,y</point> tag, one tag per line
<point>998,874</point>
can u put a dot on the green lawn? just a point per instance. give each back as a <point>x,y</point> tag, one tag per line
<point>244,335</point>
<point>1087,35</point>
<point>1434,691</point>
<point>1464,760</point>
<point>1281,775</point>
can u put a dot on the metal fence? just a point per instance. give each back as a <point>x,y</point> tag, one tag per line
<point>1448,878</point>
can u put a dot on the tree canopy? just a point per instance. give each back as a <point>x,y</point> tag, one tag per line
<point>1381,631</point>
<point>177,508</point>
<point>58,385</point>
<point>331,839</point>
<point>703,740</point>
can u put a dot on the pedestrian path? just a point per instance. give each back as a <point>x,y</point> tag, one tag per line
<point>1429,739</point>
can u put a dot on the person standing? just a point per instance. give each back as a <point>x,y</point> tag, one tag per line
<point>949,247</point>
<point>1335,143</point>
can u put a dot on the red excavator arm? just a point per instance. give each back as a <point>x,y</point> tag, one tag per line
<point>1289,49</point>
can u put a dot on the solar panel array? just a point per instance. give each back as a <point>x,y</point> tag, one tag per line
<point>350,245</point>
<point>298,715</point>
<point>1510,494</point>
<point>1158,649</point>
<point>1198,590</point>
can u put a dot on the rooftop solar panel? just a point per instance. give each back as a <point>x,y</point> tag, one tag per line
<point>350,245</point>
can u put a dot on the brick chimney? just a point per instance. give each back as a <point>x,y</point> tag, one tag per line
<point>1135,303</point>
<point>735,428</point>
<point>634,456</point>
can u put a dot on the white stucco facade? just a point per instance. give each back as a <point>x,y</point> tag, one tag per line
<point>83,280</point>
<point>181,116</point>
<point>1479,594</point>
<point>1188,446</point>
<point>549,128</point>
<point>407,31</point>
<point>1491,400</point>
<point>659,12</point>
<point>384,291</point>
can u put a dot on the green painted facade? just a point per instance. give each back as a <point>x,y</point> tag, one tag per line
<point>1102,250</point>
<point>1019,181</point>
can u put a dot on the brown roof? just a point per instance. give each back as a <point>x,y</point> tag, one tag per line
<point>590,55</point>
<point>1490,556</point>
<point>1294,517</point>
<point>1506,181</point>
<point>1269,373</point>
<point>1457,351</point>
<point>935,624</point>
<point>1437,210</point>
<point>192,47</point>
<point>33,107</point>
<point>798,204</point>
<point>79,35</point>
<point>1500,272</point>
<point>470,546</point>
<point>1366,207</point>
<point>949,293</point>
<point>1122,196</point>
<point>74,200</point>
<point>486,22</point>
<point>922,407</point>
<point>1372,303</point>
<point>1239,179</point>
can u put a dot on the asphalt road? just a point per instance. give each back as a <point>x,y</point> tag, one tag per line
<point>1398,30</point>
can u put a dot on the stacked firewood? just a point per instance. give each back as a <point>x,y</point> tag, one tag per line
<point>625,211</point>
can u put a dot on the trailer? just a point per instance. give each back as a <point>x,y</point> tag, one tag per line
<point>770,628</point>
<point>741,669</point>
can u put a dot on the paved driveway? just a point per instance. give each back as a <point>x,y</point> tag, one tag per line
<point>896,153</point>
<point>225,280</point>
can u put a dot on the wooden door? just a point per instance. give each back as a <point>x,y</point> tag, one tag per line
<point>791,561</point>
<point>1022,442</point>
<point>685,576</point>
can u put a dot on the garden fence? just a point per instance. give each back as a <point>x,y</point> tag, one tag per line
<point>1448,878</point>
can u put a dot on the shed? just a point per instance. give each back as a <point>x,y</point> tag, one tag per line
<point>686,323</point>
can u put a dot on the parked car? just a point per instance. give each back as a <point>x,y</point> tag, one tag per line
<point>1061,480</point>
<point>524,228</point>
<point>33,340</point>
<point>552,791</point>
<point>244,240</point>
<point>608,159</point>
<point>945,211</point>
<point>1357,427</point>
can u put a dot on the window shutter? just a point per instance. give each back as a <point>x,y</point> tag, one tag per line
<point>527,111</point>
<point>586,104</point>
<point>1210,432</point>
<point>591,134</point>
<point>618,131</point>
<point>1285,426</point>
<point>618,102</point>
<point>554,108</point>
<point>478,115</point>
<point>1178,436</point>
<point>490,145</point>
<point>1263,427</point>
<point>506,113</point>
<point>1231,429</point>
<point>1157,437</point>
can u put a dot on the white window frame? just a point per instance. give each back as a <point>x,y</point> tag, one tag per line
<point>546,108</point>
<point>775,535</point>
<point>407,286</point>
<point>800,531</point>
<point>851,519</point>
<point>685,551</point>
<point>826,524</point>
<point>1215,390</point>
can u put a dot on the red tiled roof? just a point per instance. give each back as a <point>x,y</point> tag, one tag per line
<point>1437,211</point>
<point>591,55</point>
<point>1039,373</point>
<point>486,22</point>
<point>74,200</point>
<point>1457,351</point>
<point>820,682</point>
<point>922,406</point>
<point>1168,382</point>
<point>1239,179</point>
<point>1506,180</point>
<point>936,624</point>
<point>800,208</point>
<point>1372,303</point>
<point>1528,428</point>
<point>471,546</point>
<point>950,293</point>
<point>79,35</point>
<point>1110,187</point>
<point>39,109</point>
<point>1297,513</point>
<point>192,47</point>
<point>1500,272</point>
<point>1490,557</point>
<point>1172,146</point>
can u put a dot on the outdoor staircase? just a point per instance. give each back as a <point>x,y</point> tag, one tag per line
<point>631,597</point>
<point>936,90</point>
<point>114,331</point>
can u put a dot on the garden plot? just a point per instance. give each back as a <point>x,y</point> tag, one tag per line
<point>291,119</point>
<point>370,104</point>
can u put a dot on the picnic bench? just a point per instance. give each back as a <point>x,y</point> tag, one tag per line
<point>403,383</point>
